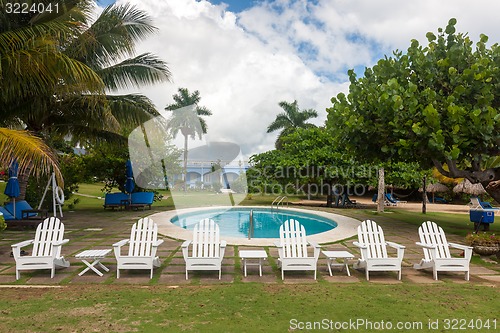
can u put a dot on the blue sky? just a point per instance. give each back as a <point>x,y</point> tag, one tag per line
<point>235,5</point>
<point>246,57</point>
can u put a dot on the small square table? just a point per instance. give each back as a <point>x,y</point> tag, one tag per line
<point>96,256</point>
<point>332,255</point>
<point>253,254</point>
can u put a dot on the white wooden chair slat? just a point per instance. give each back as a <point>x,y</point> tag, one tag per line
<point>217,241</point>
<point>373,246</point>
<point>437,253</point>
<point>131,243</point>
<point>151,235</point>
<point>207,250</point>
<point>46,251</point>
<point>303,241</point>
<point>195,241</point>
<point>293,246</point>
<point>143,245</point>
<point>211,240</point>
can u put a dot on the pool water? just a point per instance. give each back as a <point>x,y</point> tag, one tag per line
<point>234,222</point>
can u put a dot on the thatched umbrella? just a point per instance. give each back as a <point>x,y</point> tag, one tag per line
<point>466,186</point>
<point>435,188</point>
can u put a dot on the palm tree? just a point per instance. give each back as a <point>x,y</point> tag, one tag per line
<point>29,151</point>
<point>75,104</point>
<point>31,61</point>
<point>290,119</point>
<point>186,118</point>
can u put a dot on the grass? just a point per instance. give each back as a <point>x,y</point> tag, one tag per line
<point>250,307</point>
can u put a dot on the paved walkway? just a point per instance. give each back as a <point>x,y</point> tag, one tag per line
<point>100,229</point>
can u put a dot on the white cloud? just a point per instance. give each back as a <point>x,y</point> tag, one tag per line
<point>245,63</point>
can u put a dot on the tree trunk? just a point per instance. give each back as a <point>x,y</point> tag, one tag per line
<point>184,175</point>
<point>424,195</point>
<point>381,191</point>
<point>493,189</point>
<point>23,182</point>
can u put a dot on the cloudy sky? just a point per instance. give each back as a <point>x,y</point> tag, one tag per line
<point>245,56</point>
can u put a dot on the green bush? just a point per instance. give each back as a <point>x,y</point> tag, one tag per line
<point>3,225</point>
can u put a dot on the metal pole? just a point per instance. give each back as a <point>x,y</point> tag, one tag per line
<point>250,227</point>
<point>424,195</point>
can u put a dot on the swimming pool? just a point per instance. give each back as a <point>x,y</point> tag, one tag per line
<point>234,222</point>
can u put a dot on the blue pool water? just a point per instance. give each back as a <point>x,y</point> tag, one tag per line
<point>234,222</point>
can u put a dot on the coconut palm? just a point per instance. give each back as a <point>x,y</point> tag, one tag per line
<point>187,118</point>
<point>31,61</point>
<point>290,119</point>
<point>68,105</point>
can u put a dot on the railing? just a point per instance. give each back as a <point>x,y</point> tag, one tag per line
<point>250,227</point>
<point>278,201</point>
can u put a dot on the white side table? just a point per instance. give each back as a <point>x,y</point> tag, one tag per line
<point>332,255</point>
<point>253,254</point>
<point>96,256</point>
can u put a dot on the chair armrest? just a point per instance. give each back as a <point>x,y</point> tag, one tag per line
<point>59,243</point>
<point>223,243</point>
<point>361,246</point>
<point>186,244</point>
<point>427,246</point>
<point>23,244</point>
<point>314,244</point>
<point>121,243</point>
<point>395,245</point>
<point>400,249</point>
<point>317,249</point>
<point>158,242</point>
<point>460,247</point>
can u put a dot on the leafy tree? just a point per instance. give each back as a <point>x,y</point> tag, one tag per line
<point>307,162</point>
<point>435,105</point>
<point>291,119</point>
<point>187,118</point>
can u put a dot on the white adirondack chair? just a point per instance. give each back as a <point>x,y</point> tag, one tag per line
<point>46,253</point>
<point>437,251</point>
<point>373,246</point>
<point>293,249</point>
<point>143,244</point>
<point>207,249</point>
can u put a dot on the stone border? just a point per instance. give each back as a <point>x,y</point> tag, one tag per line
<point>346,227</point>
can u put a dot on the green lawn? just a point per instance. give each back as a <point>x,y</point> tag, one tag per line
<point>244,307</point>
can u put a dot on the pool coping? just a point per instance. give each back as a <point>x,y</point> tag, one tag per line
<point>346,227</point>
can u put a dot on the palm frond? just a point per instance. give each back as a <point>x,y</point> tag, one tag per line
<point>132,109</point>
<point>282,121</point>
<point>112,36</point>
<point>145,69</point>
<point>41,67</point>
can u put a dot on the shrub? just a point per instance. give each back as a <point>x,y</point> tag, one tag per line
<point>482,239</point>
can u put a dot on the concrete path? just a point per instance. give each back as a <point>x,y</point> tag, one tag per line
<point>99,229</point>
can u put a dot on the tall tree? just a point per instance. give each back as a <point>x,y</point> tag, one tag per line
<point>436,105</point>
<point>187,118</point>
<point>291,119</point>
